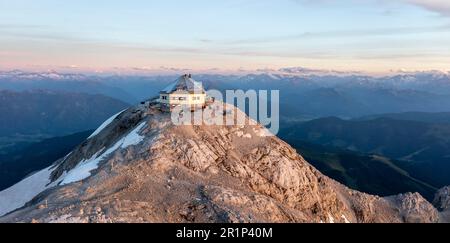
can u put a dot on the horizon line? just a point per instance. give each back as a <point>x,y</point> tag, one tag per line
<point>137,71</point>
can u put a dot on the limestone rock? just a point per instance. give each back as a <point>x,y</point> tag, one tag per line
<point>168,173</point>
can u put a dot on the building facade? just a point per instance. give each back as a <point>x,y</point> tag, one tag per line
<point>185,91</point>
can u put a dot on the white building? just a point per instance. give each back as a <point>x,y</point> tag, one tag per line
<point>185,91</point>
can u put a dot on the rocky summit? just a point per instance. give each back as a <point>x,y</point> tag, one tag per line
<point>140,167</point>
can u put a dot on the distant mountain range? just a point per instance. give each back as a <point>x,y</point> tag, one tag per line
<point>421,148</point>
<point>304,93</point>
<point>52,81</point>
<point>128,88</point>
<point>428,117</point>
<point>403,149</point>
<point>372,174</point>
<point>346,96</point>
<point>53,113</point>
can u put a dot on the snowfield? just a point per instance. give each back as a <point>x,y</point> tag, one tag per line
<point>84,168</point>
<point>18,195</point>
<point>105,124</point>
<point>345,219</point>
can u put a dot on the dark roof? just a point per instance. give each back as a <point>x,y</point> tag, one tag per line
<point>184,83</point>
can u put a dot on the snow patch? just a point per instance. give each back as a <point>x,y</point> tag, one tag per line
<point>84,168</point>
<point>330,219</point>
<point>262,132</point>
<point>242,134</point>
<point>273,76</point>
<point>345,219</point>
<point>133,138</point>
<point>18,195</point>
<point>170,88</point>
<point>67,218</point>
<point>105,124</point>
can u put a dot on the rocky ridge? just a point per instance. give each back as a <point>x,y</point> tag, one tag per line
<point>142,168</point>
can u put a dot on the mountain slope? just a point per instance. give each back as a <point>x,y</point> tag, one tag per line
<point>422,147</point>
<point>142,168</point>
<point>367,173</point>
<point>16,165</point>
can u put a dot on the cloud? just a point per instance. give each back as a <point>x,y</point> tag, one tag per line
<point>73,66</point>
<point>438,6</point>
<point>341,34</point>
<point>21,27</point>
<point>174,69</point>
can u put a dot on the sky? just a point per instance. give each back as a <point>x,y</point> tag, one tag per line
<point>373,36</point>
